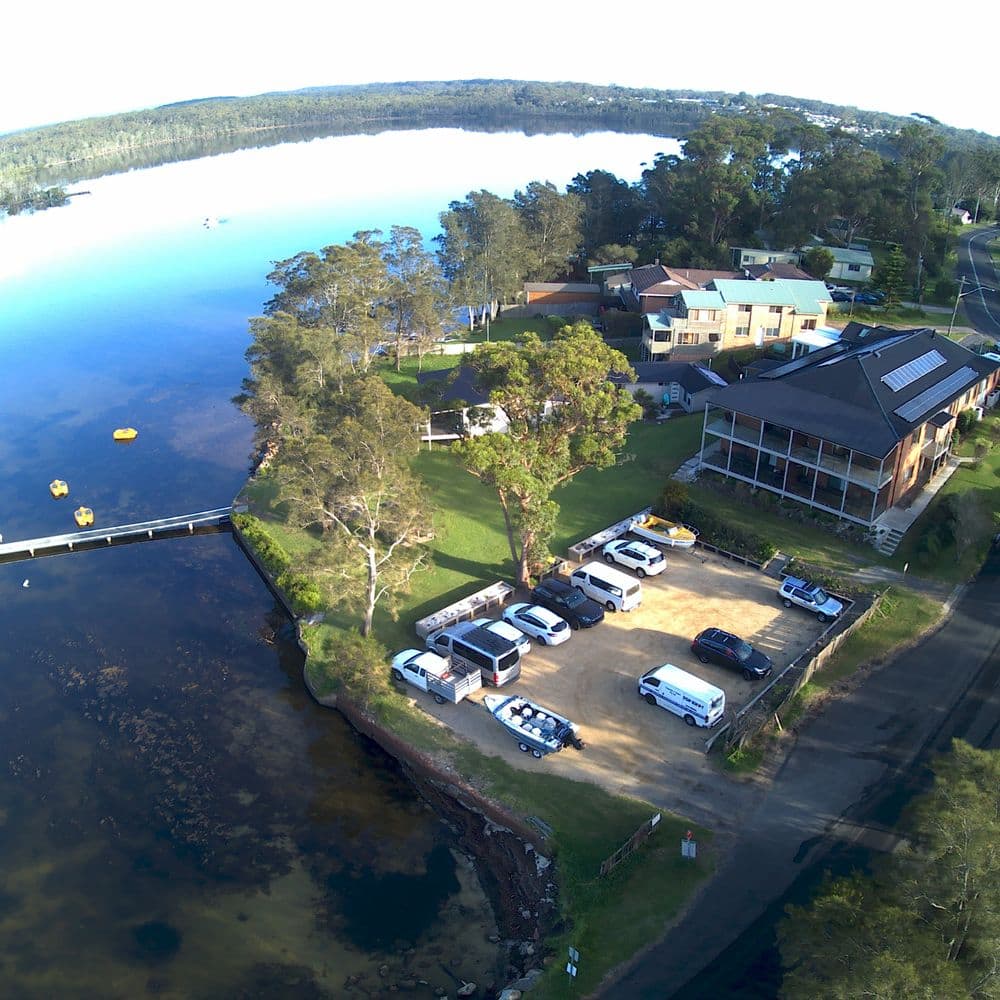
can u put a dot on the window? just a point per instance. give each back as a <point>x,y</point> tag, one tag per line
<point>772,331</point>
<point>748,258</point>
<point>743,331</point>
<point>808,324</point>
<point>776,309</point>
<point>853,267</point>
<point>687,338</point>
<point>661,337</point>
<point>713,338</point>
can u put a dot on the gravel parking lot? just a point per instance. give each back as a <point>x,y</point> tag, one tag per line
<point>631,747</point>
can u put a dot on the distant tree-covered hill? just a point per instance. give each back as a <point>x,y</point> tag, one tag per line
<point>74,151</point>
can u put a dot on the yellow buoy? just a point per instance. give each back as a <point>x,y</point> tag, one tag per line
<point>58,488</point>
<point>125,434</point>
<point>83,516</point>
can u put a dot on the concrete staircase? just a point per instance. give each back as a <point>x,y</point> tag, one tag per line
<point>889,541</point>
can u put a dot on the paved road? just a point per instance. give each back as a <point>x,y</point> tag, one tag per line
<point>975,265</point>
<point>861,750</point>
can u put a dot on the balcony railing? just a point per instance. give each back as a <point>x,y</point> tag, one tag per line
<point>725,428</point>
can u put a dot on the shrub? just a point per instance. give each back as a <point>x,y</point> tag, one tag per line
<point>965,421</point>
<point>302,593</point>
<point>675,496</point>
<point>719,532</point>
<point>275,559</point>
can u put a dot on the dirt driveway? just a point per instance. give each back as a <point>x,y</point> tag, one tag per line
<point>633,748</point>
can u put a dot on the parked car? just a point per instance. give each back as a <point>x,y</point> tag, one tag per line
<point>713,645</point>
<point>534,620</point>
<point>567,602</point>
<point>809,596</point>
<point>839,295</point>
<point>643,558</point>
<point>867,299</point>
<point>506,631</point>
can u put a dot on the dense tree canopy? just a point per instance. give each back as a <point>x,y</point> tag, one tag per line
<point>927,925</point>
<point>565,416</point>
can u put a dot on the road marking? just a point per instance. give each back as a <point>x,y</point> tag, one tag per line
<point>968,247</point>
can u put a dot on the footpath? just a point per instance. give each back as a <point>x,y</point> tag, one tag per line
<point>859,747</point>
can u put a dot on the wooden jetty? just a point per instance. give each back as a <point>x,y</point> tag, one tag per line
<point>93,537</point>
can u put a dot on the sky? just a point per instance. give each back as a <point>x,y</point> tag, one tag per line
<point>72,60</point>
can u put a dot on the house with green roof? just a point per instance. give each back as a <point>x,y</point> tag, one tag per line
<point>732,313</point>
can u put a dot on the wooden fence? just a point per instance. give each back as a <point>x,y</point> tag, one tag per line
<point>630,846</point>
<point>758,713</point>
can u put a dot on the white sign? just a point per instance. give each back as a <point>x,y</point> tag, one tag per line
<point>574,955</point>
<point>571,969</point>
<point>689,849</point>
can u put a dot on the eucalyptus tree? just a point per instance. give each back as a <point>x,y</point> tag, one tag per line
<point>564,416</point>
<point>344,289</point>
<point>612,210</point>
<point>552,223</point>
<point>484,251</point>
<point>347,473</point>
<point>418,299</point>
<point>927,924</point>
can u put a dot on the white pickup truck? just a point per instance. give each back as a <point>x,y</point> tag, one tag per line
<point>435,675</point>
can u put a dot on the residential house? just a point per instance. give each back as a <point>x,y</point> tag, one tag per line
<point>610,276</point>
<point>752,256</point>
<point>653,287</point>
<point>853,428</point>
<point>733,313</point>
<point>678,383</point>
<point>472,412</point>
<point>962,215</point>
<point>851,263</point>
<point>768,272</point>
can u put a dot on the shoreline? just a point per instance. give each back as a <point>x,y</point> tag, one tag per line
<point>519,880</point>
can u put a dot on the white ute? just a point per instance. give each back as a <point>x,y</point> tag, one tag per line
<point>434,674</point>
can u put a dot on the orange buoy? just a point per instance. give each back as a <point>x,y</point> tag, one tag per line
<point>125,434</point>
<point>58,488</point>
<point>83,516</point>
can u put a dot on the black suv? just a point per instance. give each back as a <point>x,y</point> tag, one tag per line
<point>715,646</point>
<point>568,603</point>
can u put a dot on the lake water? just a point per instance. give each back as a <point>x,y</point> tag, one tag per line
<point>177,817</point>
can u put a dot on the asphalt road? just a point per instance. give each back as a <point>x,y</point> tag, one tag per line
<point>866,749</point>
<point>982,305</point>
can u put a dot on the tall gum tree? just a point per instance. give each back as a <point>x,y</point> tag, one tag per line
<point>565,416</point>
<point>349,475</point>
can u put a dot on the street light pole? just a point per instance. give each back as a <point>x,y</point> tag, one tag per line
<point>958,296</point>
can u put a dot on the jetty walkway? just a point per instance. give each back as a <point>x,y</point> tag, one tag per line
<point>91,538</point>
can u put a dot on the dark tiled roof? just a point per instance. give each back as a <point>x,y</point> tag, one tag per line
<point>838,393</point>
<point>461,387</point>
<point>692,377</point>
<point>777,270</point>
<point>647,276</point>
<point>699,277</point>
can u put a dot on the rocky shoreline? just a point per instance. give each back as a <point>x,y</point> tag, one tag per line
<point>518,878</point>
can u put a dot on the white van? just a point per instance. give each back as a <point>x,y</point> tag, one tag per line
<point>696,701</point>
<point>616,590</point>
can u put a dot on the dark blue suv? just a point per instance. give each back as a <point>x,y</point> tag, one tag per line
<point>728,650</point>
<point>568,603</point>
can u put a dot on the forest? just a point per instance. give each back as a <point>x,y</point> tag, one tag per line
<point>753,170</point>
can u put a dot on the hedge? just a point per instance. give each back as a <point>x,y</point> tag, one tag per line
<point>275,559</point>
<point>714,529</point>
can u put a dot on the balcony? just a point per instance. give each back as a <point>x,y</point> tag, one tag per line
<point>725,428</point>
<point>935,449</point>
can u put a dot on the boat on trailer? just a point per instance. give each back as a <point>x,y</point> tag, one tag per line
<point>538,730</point>
<point>655,529</point>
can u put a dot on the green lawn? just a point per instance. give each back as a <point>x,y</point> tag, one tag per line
<point>902,616</point>
<point>983,482</point>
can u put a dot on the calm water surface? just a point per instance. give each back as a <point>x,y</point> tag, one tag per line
<point>177,818</point>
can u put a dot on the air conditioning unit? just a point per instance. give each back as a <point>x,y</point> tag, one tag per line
<point>979,412</point>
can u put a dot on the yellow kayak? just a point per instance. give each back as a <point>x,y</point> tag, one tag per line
<point>83,516</point>
<point>58,488</point>
<point>125,434</point>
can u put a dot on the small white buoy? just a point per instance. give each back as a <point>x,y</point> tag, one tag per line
<point>26,584</point>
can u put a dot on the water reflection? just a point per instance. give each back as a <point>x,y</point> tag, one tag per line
<point>177,815</point>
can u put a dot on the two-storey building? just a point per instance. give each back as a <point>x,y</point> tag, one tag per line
<point>730,313</point>
<point>852,429</point>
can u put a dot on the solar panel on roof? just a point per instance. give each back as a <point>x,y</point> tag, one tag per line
<point>904,375</point>
<point>935,395</point>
